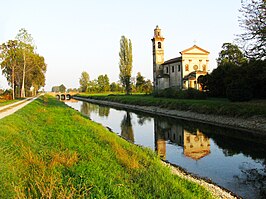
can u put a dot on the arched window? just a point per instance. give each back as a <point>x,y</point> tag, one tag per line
<point>186,67</point>
<point>159,45</point>
<point>204,68</point>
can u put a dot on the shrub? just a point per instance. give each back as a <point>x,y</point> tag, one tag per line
<point>174,92</point>
<point>238,92</point>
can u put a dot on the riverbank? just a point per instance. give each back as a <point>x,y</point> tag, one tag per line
<point>49,150</point>
<point>254,124</point>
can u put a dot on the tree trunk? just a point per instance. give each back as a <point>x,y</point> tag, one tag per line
<point>13,82</point>
<point>23,77</point>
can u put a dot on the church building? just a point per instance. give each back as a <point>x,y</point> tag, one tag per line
<point>181,72</point>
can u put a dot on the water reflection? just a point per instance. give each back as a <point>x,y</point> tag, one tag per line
<point>126,128</point>
<point>233,159</point>
<point>195,144</point>
<point>88,108</point>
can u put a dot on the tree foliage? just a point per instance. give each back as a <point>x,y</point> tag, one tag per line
<point>22,67</point>
<point>125,63</point>
<point>140,81</point>
<point>26,45</point>
<point>84,81</point>
<point>230,53</point>
<point>62,88</point>
<point>253,22</point>
<point>103,83</point>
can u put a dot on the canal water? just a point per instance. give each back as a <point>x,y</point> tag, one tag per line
<point>232,159</point>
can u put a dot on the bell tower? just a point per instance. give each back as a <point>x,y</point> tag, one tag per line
<point>158,53</point>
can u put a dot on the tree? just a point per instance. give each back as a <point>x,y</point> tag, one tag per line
<point>62,88</point>
<point>103,83</point>
<point>115,87</point>
<point>26,45</point>
<point>147,87</point>
<point>125,64</point>
<point>140,81</point>
<point>8,58</point>
<point>93,86</point>
<point>55,89</point>
<point>84,81</point>
<point>13,67</point>
<point>253,22</point>
<point>230,53</point>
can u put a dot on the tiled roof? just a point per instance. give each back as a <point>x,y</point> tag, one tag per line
<point>174,60</point>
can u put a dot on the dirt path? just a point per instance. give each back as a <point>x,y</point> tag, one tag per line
<point>12,108</point>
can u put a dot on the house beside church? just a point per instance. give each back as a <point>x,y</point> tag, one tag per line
<point>181,72</point>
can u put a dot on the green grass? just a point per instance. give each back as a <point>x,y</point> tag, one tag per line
<point>6,102</point>
<point>51,151</point>
<point>214,106</point>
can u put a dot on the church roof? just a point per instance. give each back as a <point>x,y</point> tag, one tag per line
<point>174,60</point>
<point>194,50</point>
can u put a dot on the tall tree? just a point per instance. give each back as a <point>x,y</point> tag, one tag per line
<point>8,58</point>
<point>253,22</point>
<point>26,43</point>
<point>84,81</point>
<point>125,63</point>
<point>230,53</point>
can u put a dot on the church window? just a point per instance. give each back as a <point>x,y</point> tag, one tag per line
<point>158,34</point>
<point>204,68</point>
<point>195,67</point>
<point>173,69</point>
<point>178,67</point>
<point>186,67</point>
<point>167,70</point>
<point>159,45</point>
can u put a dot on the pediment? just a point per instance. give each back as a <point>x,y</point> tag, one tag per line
<point>194,50</point>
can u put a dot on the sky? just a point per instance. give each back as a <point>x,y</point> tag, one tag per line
<point>83,35</point>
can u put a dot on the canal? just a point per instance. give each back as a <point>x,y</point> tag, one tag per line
<point>232,159</point>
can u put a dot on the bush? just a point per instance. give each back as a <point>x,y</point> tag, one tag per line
<point>174,92</point>
<point>239,92</point>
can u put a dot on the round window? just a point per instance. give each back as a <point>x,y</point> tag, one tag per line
<point>195,67</point>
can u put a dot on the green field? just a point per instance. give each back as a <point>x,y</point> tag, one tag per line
<point>51,151</point>
<point>214,106</point>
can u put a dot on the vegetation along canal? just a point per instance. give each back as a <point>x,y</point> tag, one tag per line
<point>232,159</point>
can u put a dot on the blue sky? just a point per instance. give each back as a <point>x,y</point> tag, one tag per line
<point>83,35</point>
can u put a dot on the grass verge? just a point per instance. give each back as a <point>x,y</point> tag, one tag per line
<point>6,102</point>
<point>51,151</point>
<point>209,106</point>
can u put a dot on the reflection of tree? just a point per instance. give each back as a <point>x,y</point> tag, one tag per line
<point>85,108</point>
<point>104,111</point>
<point>255,178</point>
<point>142,119</point>
<point>126,127</point>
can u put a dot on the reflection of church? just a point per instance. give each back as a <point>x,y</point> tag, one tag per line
<point>195,144</point>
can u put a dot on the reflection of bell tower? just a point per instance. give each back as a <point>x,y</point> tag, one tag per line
<point>158,53</point>
<point>160,142</point>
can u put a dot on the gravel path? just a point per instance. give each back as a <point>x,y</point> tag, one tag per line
<point>12,108</point>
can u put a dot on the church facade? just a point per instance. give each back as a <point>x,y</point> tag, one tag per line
<point>181,72</point>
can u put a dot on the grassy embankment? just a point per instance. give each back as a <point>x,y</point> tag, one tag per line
<point>49,150</point>
<point>6,102</point>
<point>209,106</point>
